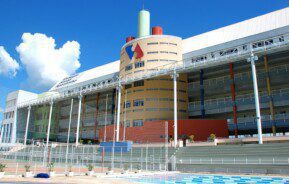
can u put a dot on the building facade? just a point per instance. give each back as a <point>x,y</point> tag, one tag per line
<point>236,73</point>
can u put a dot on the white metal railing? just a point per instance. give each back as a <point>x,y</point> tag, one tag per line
<point>245,97</point>
<point>264,118</point>
<point>258,47</point>
<point>261,73</point>
<point>236,161</point>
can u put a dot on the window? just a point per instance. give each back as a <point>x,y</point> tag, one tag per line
<point>164,52</point>
<point>138,103</point>
<point>138,122</point>
<point>128,67</point>
<point>152,89</point>
<point>173,44</point>
<point>162,43</point>
<point>174,53</point>
<point>138,83</point>
<point>151,109</point>
<point>153,52</point>
<point>153,60</point>
<point>127,104</point>
<point>127,123</point>
<point>152,43</point>
<point>152,99</point>
<point>127,86</point>
<point>138,90</point>
<point>139,64</point>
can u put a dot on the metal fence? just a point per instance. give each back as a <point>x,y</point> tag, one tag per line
<point>145,157</point>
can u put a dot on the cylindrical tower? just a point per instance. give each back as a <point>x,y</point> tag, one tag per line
<point>143,23</point>
<point>152,99</point>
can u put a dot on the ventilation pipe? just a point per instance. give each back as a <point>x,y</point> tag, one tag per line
<point>129,38</point>
<point>157,30</point>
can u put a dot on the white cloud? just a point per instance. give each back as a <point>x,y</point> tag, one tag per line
<point>45,64</point>
<point>1,110</point>
<point>8,66</point>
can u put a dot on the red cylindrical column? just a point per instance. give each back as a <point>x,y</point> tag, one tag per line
<point>234,99</point>
<point>129,38</point>
<point>157,30</point>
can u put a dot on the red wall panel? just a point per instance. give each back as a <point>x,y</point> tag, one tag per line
<point>155,131</point>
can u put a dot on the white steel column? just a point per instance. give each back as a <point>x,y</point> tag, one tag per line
<point>256,94</point>
<point>27,125</point>
<point>78,120</point>
<point>174,76</point>
<point>68,132</point>
<point>118,112</point>
<point>2,131</point>
<point>105,119</point>
<point>124,116</point>
<point>12,134</point>
<point>49,124</point>
<point>9,133</point>
<point>5,133</point>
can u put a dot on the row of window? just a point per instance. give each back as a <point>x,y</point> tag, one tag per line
<point>162,43</point>
<point>162,52</point>
<point>9,115</point>
<point>151,89</point>
<point>135,84</point>
<point>136,103</point>
<point>163,99</point>
<point>163,79</point>
<point>138,64</point>
<point>153,109</point>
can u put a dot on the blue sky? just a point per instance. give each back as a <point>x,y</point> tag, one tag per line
<point>100,27</point>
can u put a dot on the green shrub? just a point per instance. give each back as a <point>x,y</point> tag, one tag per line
<point>27,168</point>
<point>212,137</point>
<point>2,167</point>
<point>90,167</point>
<point>192,138</point>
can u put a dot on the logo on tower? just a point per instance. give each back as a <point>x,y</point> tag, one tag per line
<point>137,49</point>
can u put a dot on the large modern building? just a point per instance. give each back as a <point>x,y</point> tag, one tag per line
<point>238,73</point>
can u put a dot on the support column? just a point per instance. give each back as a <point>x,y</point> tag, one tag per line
<point>96,114</point>
<point>105,119</point>
<point>202,92</point>
<point>4,133</point>
<point>78,119</point>
<point>68,132</point>
<point>252,59</point>
<point>118,112</point>
<point>9,133</point>
<point>232,76</point>
<point>271,102</point>
<point>1,133</point>
<point>27,125</point>
<point>49,124</point>
<point>12,134</point>
<point>124,116</point>
<point>174,76</point>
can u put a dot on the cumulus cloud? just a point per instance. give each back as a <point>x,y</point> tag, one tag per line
<point>8,66</point>
<point>45,64</point>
